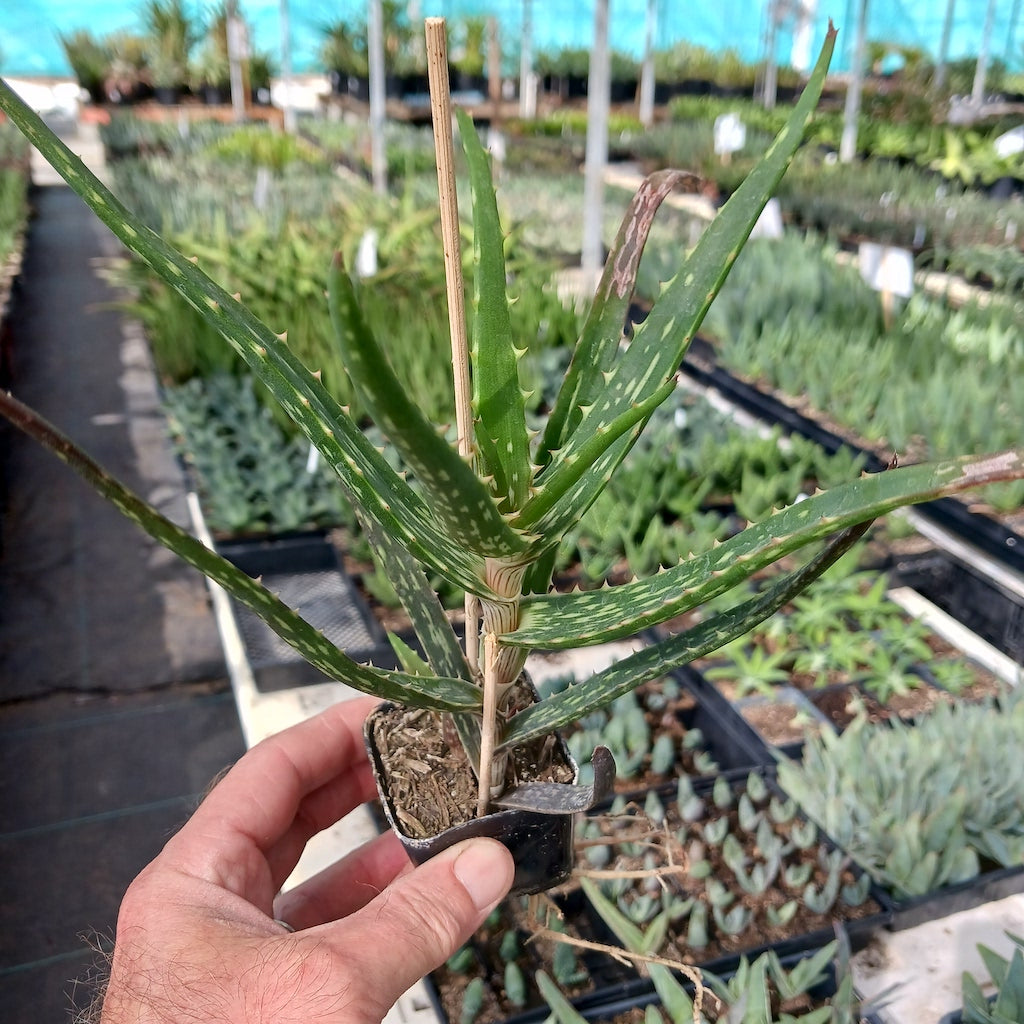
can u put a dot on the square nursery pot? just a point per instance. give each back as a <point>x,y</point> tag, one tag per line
<point>749,741</point>
<point>541,844</point>
<point>305,572</point>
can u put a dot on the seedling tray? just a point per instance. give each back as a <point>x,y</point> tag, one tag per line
<point>749,746</point>
<point>991,611</point>
<point>616,1009</point>
<point>858,928</point>
<point>987,887</point>
<point>304,571</point>
<point>981,530</point>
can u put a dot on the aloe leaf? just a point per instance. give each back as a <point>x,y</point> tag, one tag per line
<point>407,657</point>
<point>567,492</point>
<point>659,343</point>
<point>457,497</point>
<point>366,476</point>
<point>440,644</point>
<point>434,631</point>
<point>661,658</point>
<point>501,437</point>
<point>444,694</point>
<point>572,620</point>
<point>626,931</point>
<point>562,1011</point>
<point>602,331</point>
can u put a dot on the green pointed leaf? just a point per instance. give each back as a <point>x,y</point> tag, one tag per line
<point>653,356</point>
<point>434,631</point>
<point>571,620</point>
<point>628,933</point>
<point>456,495</point>
<point>602,331</point>
<point>659,659</point>
<point>368,479</point>
<point>501,437</point>
<point>562,1010</point>
<point>584,467</point>
<point>408,658</point>
<point>444,694</point>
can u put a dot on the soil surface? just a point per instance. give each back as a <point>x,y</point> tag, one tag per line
<point>432,786</point>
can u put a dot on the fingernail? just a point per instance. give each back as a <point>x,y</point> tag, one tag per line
<point>485,868</point>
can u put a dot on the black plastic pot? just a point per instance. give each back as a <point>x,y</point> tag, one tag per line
<point>541,844</point>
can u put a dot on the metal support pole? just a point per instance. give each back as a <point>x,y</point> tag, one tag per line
<point>598,104</point>
<point>848,143</point>
<point>647,68</point>
<point>981,71</point>
<point>375,45</point>
<point>527,82</point>
<point>287,81</point>
<point>947,32</point>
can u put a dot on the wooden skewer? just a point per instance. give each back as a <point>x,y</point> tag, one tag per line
<point>441,113</point>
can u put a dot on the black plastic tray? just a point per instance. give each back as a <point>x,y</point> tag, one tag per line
<point>991,611</point>
<point>979,529</point>
<point>986,887</point>
<point>305,571</point>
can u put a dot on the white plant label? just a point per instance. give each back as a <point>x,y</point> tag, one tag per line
<point>769,224</point>
<point>366,255</point>
<point>730,134</point>
<point>887,268</point>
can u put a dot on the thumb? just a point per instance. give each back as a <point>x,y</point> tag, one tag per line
<point>420,920</point>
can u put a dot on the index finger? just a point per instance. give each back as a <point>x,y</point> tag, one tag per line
<point>279,794</point>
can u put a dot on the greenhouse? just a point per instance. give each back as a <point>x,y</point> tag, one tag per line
<point>512,512</point>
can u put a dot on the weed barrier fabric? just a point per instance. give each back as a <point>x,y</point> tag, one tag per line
<point>981,530</point>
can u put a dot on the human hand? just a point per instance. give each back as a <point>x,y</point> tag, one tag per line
<point>197,938</point>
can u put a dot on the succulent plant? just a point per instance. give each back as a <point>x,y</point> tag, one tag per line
<point>489,518</point>
<point>912,816</point>
<point>747,997</point>
<point>734,883</point>
<point>1007,1003</point>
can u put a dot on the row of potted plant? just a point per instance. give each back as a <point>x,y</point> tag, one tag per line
<point>175,51</point>
<point>14,215</point>
<point>888,384</point>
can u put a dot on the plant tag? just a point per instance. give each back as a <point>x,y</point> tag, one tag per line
<point>730,134</point>
<point>312,459</point>
<point>556,798</point>
<point>261,190</point>
<point>366,255</point>
<point>769,224</point>
<point>887,268</point>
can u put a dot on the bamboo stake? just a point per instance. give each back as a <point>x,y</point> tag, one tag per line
<point>441,114</point>
<point>487,728</point>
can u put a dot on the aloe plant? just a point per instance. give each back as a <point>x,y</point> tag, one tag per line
<point>491,523</point>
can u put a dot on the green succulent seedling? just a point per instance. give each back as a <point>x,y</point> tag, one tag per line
<point>1007,1004</point>
<point>490,521</point>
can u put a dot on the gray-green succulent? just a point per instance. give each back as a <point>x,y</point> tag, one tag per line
<point>913,816</point>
